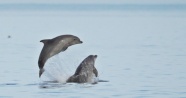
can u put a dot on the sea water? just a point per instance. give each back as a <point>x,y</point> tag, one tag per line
<point>141,50</point>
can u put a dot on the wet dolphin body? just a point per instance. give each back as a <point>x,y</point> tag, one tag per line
<point>54,46</point>
<point>86,71</point>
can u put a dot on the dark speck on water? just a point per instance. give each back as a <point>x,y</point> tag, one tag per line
<point>9,36</point>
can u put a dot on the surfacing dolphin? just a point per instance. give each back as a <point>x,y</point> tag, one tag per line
<point>85,72</point>
<point>54,46</point>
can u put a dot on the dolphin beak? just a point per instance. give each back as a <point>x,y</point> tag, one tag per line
<point>81,41</point>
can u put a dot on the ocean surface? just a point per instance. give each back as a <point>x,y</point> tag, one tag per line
<point>141,50</point>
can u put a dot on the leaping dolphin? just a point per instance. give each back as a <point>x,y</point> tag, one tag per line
<point>54,46</point>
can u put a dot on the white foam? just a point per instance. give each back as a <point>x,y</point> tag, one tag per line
<point>59,68</point>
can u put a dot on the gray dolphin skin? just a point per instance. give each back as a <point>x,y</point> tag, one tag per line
<point>85,71</point>
<point>54,46</point>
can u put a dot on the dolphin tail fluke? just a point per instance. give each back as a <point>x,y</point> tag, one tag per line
<point>41,72</point>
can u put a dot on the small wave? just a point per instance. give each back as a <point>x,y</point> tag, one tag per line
<point>5,97</point>
<point>9,84</point>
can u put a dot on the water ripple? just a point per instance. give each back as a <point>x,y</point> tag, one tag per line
<point>5,97</point>
<point>5,84</point>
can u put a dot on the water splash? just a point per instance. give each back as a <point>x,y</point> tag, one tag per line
<point>59,69</point>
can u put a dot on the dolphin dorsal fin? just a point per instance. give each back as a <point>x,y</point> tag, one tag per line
<point>44,41</point>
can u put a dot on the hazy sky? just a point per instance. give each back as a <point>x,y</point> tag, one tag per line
<point>97,1</point>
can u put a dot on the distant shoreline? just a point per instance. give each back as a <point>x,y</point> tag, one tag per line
<point>89,7</point>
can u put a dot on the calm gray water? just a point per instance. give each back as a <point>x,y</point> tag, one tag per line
<point>141,50</point>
